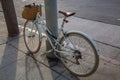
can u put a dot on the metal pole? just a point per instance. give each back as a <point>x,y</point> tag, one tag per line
<point>10,17</point>
<point>51,20</point>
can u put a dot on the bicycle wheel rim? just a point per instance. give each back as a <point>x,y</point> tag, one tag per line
<point>96,57</point>
<point>31,37</point>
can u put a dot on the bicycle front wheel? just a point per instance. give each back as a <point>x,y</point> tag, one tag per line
<point>82,58</point>
<point>31,37</point>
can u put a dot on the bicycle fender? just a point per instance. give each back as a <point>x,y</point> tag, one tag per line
<point>89,37</point>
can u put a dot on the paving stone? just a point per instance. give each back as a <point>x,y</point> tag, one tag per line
<point>19,44</point>
<point>105,71</point>
<point>68,76</point>
<point>118,57</point>
<point>109,51</point>
<point>27,69</point>
<point>8,55</point>
<point>3,32</point>
<point>99,31</point>
<point>13,70</point>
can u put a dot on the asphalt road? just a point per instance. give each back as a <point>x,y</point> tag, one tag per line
<point>107,11</point>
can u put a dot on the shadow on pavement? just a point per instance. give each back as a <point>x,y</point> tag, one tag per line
<point>30,64</point>
<point>53,69</point>
<point>56,65</point>
<point>8,63</point>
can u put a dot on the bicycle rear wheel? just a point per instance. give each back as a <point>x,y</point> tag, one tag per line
<point>83,59</point>
<point>31,37</point>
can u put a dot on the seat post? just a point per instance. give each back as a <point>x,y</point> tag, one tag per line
<point>63,22</point>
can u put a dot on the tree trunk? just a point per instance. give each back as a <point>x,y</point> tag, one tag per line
<point>10,17</point>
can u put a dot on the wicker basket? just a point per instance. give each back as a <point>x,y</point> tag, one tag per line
<point>30,12</point>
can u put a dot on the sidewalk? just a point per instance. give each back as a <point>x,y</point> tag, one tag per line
<point>107,38</point>
<point>16,65</point>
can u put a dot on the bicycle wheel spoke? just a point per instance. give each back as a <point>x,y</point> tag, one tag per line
<point>31,37</point>
<point>83,67</point>
<point>84,59</point>
<point>65,58</point>
<point>71,41</point>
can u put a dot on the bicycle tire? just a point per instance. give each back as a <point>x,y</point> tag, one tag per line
<point>66,59</point>
<point>31,37</point>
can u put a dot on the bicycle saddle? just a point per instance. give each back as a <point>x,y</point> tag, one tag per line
<point>67,14</point>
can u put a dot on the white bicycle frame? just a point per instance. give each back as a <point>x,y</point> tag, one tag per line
<point>65,48</point>
<point>40,23</point>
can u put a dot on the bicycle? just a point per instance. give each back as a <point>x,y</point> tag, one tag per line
<point>76,50</point>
